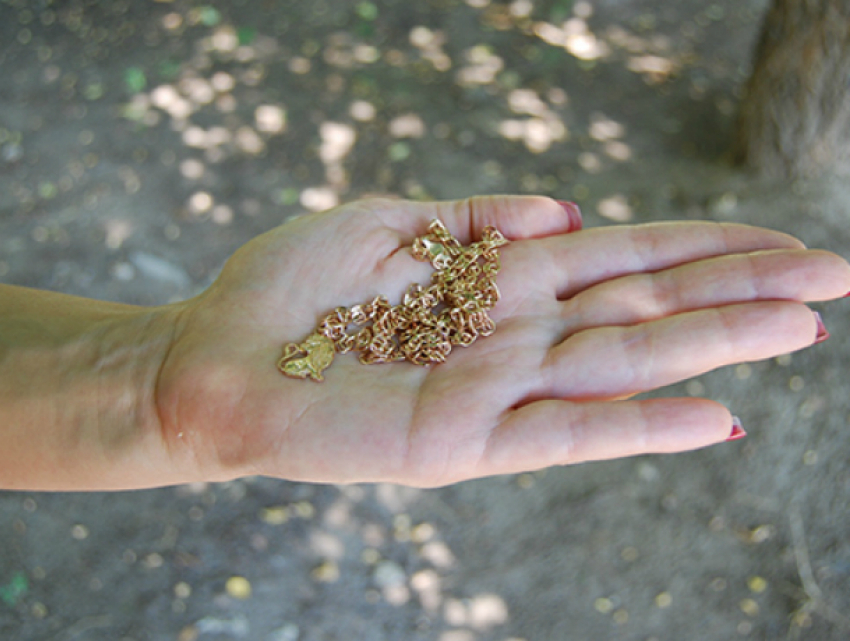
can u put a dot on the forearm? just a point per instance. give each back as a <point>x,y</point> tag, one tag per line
<point>77,393</point>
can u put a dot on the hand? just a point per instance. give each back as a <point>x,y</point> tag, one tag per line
<point>586,320</point>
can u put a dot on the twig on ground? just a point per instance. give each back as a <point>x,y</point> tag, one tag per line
<point>813,600</point>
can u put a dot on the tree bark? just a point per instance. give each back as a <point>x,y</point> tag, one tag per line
<point>795,114</point>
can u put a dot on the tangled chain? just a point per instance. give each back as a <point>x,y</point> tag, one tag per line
<point>451,311</point>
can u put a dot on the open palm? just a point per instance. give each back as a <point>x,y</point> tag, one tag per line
<point>586,320</point>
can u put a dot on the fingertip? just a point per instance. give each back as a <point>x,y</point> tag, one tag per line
<point>681,425</point>
<point>519,217</point>
<point>573,214</point>
<point>738,432</point>
<point>822,333</point>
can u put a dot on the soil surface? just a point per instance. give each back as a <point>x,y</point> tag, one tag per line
<point>141,143</point>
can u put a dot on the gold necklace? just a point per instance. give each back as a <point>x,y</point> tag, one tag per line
<point>430,320</point>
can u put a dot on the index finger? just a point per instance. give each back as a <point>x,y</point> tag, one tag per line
<point>579,261</point>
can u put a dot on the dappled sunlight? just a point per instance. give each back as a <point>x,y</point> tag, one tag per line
<point>238,93</point>
<point>648,56</point>
<point>337,142</point>
<point>399,561</point>
<point>192,168</point>
<point>655,69</point>
<point>319,198</point>
<point>540,130</point>
<point>345,52</point>
<point>615,208</point>
<point>575,37</point>
<point>407,126</point>
<point>590,162</point>
<point>362,111</point>
<point>481,65</point>
<point>117,231</point>
<point>200,203</point>
<point>430,45</point>
<point>481,612</point>
<point>604,129</point>
<point>270,119</point>
<point>608,132</point>
<point>142,143</point>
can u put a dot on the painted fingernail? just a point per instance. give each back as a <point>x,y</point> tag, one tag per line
<point>737,430</point>
<point>822,333</point>
<point>573,213</point>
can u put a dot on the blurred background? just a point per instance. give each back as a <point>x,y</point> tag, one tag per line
<point>142,143</point>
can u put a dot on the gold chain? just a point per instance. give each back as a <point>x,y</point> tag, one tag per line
<point>452,310</point>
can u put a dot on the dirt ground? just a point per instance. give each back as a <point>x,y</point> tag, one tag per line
<point>142,143</point>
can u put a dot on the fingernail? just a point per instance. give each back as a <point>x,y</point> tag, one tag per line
<point>573,213</point>
<point>822,333</point>
<point>737,430</point>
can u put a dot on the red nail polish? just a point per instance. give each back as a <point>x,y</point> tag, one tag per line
<point>737,430</point>
<point>573,213</point>
<point>822,333</point>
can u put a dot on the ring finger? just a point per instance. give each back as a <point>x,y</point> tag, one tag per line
<point>616,362</point>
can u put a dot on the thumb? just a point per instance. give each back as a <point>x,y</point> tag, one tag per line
<point>517,217</point>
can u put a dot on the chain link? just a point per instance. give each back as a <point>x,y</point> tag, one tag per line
<point>430,320</point>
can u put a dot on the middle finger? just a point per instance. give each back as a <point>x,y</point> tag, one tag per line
<point>793,275</point>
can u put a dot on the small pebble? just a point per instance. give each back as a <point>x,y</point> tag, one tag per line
<point>327,572</point>
<point>422,533</point>
<point>304,510</point>
<point>629,554</point>
<point>761,534</point>
<point>749,607</point>
<point>757,584</point>
<point>287,632</point>
<point>525,481</point>
<point>123,271</point>
<point>11,153</point>
<point>370,556</point>
<point>238,627</point>
<point>275,515</point>
<point>238,587</point>
<point>159,269</point>
<point>153,561</point>
<point>718,584</point>
<point>189,633</point>
<point>603,605</point>
<point>389,574</point>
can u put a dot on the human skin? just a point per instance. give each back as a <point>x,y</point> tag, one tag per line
<point>102,396</point>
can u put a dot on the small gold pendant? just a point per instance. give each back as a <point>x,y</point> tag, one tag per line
<point>307,359</point>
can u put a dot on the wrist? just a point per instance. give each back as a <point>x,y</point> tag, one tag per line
<point>126,353</point>
<point>78,393</point>
<point>135,349</point>
<point>197,392</point>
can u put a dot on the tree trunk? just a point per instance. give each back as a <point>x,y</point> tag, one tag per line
<point>795,114</point>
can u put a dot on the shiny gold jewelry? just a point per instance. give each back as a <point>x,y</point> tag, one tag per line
<point>452,310</point>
